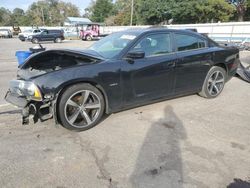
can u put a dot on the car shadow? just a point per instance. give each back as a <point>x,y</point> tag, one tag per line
<point>159,163</point>
<point>238,183</point>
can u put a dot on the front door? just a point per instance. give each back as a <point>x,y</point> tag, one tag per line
<point>44,36</point>
<point>151,77</point>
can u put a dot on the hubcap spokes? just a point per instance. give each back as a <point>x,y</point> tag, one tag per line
<point>82,108</point>
<point>215,83</point>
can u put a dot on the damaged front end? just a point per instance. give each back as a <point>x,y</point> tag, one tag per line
<point>36,99</point>
<point>26,95</point>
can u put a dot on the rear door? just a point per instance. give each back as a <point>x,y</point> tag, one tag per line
<point>51,35</point>
<point>150,77</point>
<point>194,58</point>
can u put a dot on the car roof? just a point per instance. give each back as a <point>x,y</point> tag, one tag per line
<point>159,29</point>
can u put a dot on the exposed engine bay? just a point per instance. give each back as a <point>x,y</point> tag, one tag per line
<point>53,60</point>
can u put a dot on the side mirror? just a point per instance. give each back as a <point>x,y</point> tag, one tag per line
<point>136,55</point>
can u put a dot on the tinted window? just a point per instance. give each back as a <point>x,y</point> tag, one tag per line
<point>44,32</point>
<point>55,31</point>
<point>153,45</point>
<point>188,42</point>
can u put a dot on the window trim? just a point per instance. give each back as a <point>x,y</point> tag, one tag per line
<point>188,34</point>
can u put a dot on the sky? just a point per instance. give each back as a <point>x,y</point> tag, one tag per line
<point>24,4</point>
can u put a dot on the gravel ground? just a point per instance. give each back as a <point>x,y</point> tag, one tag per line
<point>185,142</point>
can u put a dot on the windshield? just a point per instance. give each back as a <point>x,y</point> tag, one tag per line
<point>27,31</point>
<point>113,44</point>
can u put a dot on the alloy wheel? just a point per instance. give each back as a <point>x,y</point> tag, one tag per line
<point>216,83</point>
<point>82,108</point>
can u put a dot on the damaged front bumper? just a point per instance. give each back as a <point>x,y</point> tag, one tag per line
<point>31,107</point>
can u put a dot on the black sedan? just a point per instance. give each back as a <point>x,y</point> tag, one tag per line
<point>121,71</point>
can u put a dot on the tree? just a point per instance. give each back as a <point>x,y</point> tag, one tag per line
<point>18,17</point>
<point>153,11</point>
<point>5,17</point>
<point>51,12</point>
<point>200,11</point>
<point>241,7</point>
<point>100,10</point>
<point>122,10</point>
<point>183,11</point>
<point>247,14</point>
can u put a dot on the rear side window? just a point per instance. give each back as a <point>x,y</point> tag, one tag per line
<point>54,31</point>
<point>187,42</point>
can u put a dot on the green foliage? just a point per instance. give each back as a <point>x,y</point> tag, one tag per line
<point>117,12</point>
<point>247,15</point>
<point>51,12</point>
<point>201,11</point>
<point>153,11</point>
<point>122,9</point>
<point>100,10</point>
<point>183,11</point>
<point>5,17</point>
<point>46,12</point>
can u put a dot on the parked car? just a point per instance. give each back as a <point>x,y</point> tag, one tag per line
<point>56,35</point>
<point>92,32</point>
<point>6,33</point>
<point>27,33</point>
<point>123,70</point>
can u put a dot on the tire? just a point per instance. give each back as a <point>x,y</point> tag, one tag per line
<point>58,40</point>
<point>88,38</point>
<point>78,112</point>
<point>214,82</point>
<point>35,40</point>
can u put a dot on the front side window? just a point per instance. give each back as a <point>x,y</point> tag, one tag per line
<point>154,45</point>
<point>188,42</point>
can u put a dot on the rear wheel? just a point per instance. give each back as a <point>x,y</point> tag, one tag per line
<point>214,82</point>
<point>58,40</point>
<point>81,107</point>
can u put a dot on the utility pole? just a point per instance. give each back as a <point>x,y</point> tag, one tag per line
<point>132,12</point>
<point>42,16</point>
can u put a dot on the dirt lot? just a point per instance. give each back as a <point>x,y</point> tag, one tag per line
<point>186,142</point>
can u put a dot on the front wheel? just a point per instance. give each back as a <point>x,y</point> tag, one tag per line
<point>35,40</point>
<point>88,38</point>
<point>214,82</point>
<point>81,107</point>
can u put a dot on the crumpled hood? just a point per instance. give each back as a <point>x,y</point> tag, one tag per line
<point>54,60</point>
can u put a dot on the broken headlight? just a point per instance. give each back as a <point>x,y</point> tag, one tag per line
<point>26,88</point>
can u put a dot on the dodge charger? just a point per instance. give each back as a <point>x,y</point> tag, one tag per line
<point>123,70</point>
